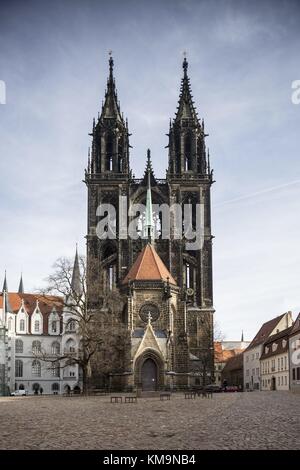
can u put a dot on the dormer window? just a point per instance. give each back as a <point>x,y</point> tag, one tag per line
<point>274,346</point>
<point>36,326</point>
<point>22,325</point>
<point>53,327</point>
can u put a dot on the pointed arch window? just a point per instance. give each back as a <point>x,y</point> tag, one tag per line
<point>188,152</point>
<point>109,152</point>
<point>55,348</point>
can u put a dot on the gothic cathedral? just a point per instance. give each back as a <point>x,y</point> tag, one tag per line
<point>168,288</point>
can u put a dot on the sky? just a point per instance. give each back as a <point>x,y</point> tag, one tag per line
<point>243,58</point>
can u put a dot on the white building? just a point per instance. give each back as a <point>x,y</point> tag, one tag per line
<point>252,377</point>
<point>294,356</point>
<point>37,327</point>
<point>274,362</point>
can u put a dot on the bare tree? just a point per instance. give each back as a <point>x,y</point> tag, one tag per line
<point>210,332</point>
<point>102,333</point>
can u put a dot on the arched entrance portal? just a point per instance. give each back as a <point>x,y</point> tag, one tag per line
<point>149,375</point>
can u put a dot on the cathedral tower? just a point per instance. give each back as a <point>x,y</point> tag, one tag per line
<point>185,255</point>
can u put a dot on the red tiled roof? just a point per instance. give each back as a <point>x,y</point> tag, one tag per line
<point>223,355</point>
<point>46,304</point>
<point>148,267</point>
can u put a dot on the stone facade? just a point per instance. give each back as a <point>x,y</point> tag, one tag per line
<point>188,181</point>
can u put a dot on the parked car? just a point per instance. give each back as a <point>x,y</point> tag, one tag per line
<point>231,388</point>
<point>19,393</point>
<point>213,388</point>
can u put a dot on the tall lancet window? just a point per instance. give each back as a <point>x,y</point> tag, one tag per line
<point>188,152</point>
<point>109,152</point>
<point>110,277</point>
<point>188,276</point>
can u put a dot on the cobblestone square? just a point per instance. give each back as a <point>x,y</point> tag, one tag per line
<point>258,420</point>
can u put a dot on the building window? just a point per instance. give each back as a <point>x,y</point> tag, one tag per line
<point>285,380</point>
<point>36,326</point>
<point>36,347</point>
<point>55,388</point>
<point>21,387</point>
<point>19,346</point>
<point>22,325</point>
<point>294,374</point>
<point>285,362</point>
<point>247,358</point>
<point>298,373</point>
<point>19,368</point>
<point>71,325</point>
<point>36,368</point>
<point>55,369</point>
<point>257,355</point>
<point>278,380</point>
<point>53,327</point>
<point>70,346</point>
<point>55,348</point>
<point>257,371</point>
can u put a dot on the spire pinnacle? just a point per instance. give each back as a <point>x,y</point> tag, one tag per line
<point>185,65</point>
<point>111,107</point>
<point>4,288</point>
<point>21,285</point>
<point>76,281</point>
<point>149,225</point>
<point>6,301</point>
<point>111,66</point>
<point>242,338</point>
<point>186,109</point>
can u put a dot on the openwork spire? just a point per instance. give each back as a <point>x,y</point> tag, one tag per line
<point>149,224</point>
<point>149,170</point>
<point>111,106</point>
<point>186,109</point>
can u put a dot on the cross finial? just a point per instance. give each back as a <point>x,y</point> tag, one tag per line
<point>185,63</point>
<point>111,62</point>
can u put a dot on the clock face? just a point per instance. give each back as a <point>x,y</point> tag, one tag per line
<point>149,308</point>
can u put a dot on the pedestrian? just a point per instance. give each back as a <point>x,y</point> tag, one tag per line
<point>41,391</point>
